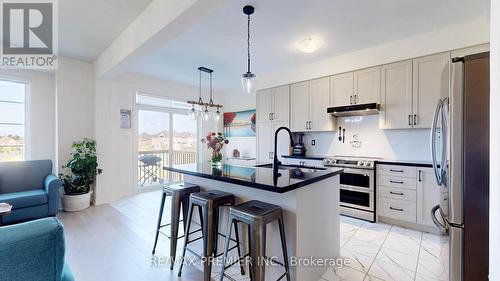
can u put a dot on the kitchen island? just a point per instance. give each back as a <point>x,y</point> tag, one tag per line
<point>310,201</point>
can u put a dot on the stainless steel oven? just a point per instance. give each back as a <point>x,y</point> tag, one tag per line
<point>357,187</point>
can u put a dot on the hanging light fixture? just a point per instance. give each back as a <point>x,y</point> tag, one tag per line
<point>248,78</point>
<point>204,107</point>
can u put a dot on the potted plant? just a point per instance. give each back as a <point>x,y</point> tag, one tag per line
<point>215,142</point>
<point>77,184</point>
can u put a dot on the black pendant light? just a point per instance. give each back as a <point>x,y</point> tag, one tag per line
<point>248,78</point>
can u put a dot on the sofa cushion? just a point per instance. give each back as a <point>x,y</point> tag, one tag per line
<point>25,199</point>
<point>23,175</point>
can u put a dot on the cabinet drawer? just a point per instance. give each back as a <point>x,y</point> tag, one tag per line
<point>397,209</point>
<point>397,193</point>
<point>398,182</point>
<point>398,171</point>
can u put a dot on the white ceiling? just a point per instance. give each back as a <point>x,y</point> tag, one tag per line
<point>220,41</point>
<point>87,27</point>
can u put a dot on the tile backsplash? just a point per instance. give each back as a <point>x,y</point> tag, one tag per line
<point>364,138</point>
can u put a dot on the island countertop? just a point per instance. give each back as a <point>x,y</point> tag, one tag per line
<point>258,177</point>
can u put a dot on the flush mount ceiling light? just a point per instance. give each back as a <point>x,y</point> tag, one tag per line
<point>248,78</point>
<point>309,45</point>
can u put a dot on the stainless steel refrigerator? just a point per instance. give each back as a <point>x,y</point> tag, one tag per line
<point>460,155</point>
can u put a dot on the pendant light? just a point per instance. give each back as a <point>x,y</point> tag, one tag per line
<point>204,113</point>
<point>248,78</point>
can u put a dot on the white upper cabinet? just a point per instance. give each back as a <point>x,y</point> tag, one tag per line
<point>273,104</point>
<point>428,195</point>
<point>431,76</point>
<point>264,105</point>
<point>396,96</point>
<point>320,120</point>
<point>281,103</point>
<point>299,95</point>
<point>367,86</point>
<point>342,89</point>
<point>309,103</point>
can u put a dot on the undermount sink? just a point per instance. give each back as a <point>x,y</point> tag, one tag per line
<point>290,167</point>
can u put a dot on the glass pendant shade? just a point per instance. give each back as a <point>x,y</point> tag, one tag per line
<point>217,115</point>
<point>192,113</point>
<point>248,82</point>
<point>206,114</point>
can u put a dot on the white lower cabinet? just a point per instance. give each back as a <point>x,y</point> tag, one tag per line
<point>407,194</point>
<point>265,141</point>
<point>428,195</point>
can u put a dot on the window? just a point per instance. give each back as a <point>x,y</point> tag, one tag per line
<point>166,137</point>
<point>12,120</point>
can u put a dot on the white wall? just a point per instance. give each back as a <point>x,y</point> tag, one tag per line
<point>75,105</point>
<point>40,120</point>
<point>388,144</point>
<point>494,141</point>
<point>117,147</point>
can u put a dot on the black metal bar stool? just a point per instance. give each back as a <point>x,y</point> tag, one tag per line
<point>257,215</point>
<point>209,203</point>
<point>179,194</point>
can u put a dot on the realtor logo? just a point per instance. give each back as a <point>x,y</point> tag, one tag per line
<point>29,34</point>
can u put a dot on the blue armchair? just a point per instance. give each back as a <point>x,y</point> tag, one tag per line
<point>33,250</point>
<point>31,189</point>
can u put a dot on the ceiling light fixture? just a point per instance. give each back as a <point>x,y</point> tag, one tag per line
<point>310,45</point>
<point>248,78</point>
<point>204,113</point>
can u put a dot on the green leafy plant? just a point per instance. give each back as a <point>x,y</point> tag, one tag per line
<point>83,166</point>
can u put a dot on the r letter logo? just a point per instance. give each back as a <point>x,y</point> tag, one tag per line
<point>29,34</point>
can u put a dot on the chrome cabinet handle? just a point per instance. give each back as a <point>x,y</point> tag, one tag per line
<point>397,171</point>
<point>269,116</point>
<point>350,99</point>
<point>409,120</point>
<point>396,209</point>
<point>310,125</point>
<point>272,115</point>
<point>400,182</point>
<point>269,155</point>
<point>420,175</point>
<point>356,99</point>
<point>396,193</point>
<point>415,119</point>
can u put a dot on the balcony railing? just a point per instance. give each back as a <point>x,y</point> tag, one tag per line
<point>11,152</point>
<point>153,173</point>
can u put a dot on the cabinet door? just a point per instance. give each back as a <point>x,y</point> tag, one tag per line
<point>342,89</point>
<point>299,109</point>
<point>283,140</point>
<point>264,141</point>
<point>264,105</point>
<point>428,195</point>
<point>367,85</point>
<point>281,103</point>
<point>431,79</point>
<point>396,97</point>
<point>320,98</point>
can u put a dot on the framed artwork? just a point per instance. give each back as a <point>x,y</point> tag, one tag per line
<point>240,123</point>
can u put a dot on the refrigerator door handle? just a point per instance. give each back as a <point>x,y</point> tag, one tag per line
<point>439,107</point>
<point>435,220</point>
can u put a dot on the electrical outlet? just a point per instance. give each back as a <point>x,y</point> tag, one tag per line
<point>313,142</point>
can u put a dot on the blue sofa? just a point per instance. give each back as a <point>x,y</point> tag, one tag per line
<point>33,251</point>
<point>31,189</point>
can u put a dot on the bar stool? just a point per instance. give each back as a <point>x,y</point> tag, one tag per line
<point>209,203</point>
<point>257,215</point>
<point>179,194</point>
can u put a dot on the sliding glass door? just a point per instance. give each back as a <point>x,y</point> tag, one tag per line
<point>166,137</point>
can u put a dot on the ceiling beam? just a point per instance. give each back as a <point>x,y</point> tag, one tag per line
<point>160,22</point>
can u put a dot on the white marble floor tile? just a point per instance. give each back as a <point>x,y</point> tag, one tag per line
<point>435,267</point>
<point>397,258</point>
<point>372,278</point>
<point>402,244</point>
<point>370,237</point>
<point>362,247</point>
<point>357,261</point>
<point>377,227</point>
<point>343,274</point>
<point>390,271</point>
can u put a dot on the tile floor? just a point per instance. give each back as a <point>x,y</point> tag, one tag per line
<point>114,242</point>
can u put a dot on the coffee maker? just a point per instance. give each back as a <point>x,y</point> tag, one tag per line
<point>299,149</point>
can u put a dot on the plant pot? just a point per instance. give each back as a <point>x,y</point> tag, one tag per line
<point>76,202</point>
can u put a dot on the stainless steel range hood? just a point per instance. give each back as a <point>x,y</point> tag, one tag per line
<point>354,110</point>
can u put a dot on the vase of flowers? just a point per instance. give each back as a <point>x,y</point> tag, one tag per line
<point>216,142</point>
